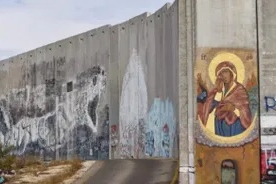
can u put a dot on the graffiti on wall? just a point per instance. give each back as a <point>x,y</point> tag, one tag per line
<point>270,103</point>
<point>227,99</point>
<point>268,149</point>
<point>268,165</point>
<point>114,135</point>
<point>161,129</point>
<point>57,119</point>
<point>133,108</point>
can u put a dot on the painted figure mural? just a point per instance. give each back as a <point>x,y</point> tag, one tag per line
<point>226,109</point>
<point>226,127</point>
<point>227,98</point>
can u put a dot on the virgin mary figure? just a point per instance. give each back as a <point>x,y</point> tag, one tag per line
<point>228,102</point>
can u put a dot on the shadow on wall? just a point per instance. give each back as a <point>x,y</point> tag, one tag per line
<point>57,119</point>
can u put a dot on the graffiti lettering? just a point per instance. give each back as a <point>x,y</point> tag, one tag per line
<point>268,158</point>
<point>160,131</point>
<point>38,124</point>
<point>150,143</point>
<point>270,103</point>
<point>268,131</point>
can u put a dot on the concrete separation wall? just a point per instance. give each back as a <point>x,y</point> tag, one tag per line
<point>267,66</point>
<point>147,80</point>
<point>54,99</point>
<point>110,92</point>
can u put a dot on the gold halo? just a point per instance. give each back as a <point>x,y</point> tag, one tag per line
<point>226,56</point>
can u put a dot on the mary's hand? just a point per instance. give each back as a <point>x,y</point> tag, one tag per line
<point>228,107</point>
<point>219,84</point>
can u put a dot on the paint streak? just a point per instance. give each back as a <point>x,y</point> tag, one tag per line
<point>92,110</point>
<point>161,129</point>
<point>114,135</point>
<point>133,107</point>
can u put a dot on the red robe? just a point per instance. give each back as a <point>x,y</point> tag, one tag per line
<point>238,97</point>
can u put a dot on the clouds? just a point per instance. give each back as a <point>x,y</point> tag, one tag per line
<point>28,24</point>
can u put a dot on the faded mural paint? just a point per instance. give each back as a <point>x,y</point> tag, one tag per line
<point>227,131</point>
<point>58,119</point>
<point>133,109</point>
<point>160,129</point>
<point>228,172</point>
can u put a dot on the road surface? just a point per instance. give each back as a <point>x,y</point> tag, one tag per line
<point>131,171</point>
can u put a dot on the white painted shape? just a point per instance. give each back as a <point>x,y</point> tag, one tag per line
<point>92,91</point>
<point>133,102</point>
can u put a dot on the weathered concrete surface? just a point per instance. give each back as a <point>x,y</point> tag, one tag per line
<point>128,90</point>
<point>55,100</point>
<point>227,26</point>
<point>186,49</point>
<point>146,70</point>
<point>131,172</point>
<point>267,67</point>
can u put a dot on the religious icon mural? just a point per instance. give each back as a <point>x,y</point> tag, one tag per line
<point>226,96</point>
<point>227,121</point>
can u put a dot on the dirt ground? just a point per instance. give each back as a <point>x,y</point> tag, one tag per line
<point>45,175</point>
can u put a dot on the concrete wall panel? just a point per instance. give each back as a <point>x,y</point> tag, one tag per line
<point>55,103</point>
<point>232,27</point>
<point>226,32</point>
<point>266,37</point>
<point>113,79</point>
<point>4,72</point>
<point>144,89</point>
<point>60,94</point>
<point>130,90</point>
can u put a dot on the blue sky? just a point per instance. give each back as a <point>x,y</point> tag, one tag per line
<point>28,24</point>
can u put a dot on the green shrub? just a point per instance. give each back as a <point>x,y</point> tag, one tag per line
<point>6,158</point>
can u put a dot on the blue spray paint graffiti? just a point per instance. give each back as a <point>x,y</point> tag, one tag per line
<point>161,129</point>
<point>270,103</point>
<point>149,143</point>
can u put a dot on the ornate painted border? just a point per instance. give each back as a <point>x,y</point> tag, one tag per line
<point>202,138</point>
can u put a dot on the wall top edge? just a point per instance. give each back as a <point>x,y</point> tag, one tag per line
<point>140,17</point>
